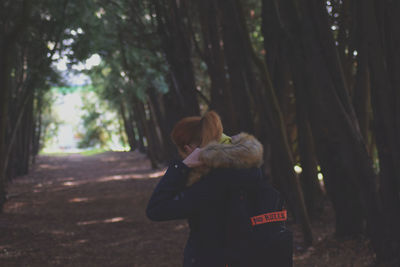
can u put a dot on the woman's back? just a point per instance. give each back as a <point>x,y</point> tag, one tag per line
<point>207,244</point>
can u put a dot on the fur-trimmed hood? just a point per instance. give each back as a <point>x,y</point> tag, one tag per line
<point>245,151</point>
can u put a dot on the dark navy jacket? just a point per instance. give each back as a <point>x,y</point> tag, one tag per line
<point>203,204</point>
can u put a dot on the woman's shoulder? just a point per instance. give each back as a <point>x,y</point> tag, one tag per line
<point>235,175</point>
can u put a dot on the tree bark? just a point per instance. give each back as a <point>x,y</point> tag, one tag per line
<point>141,119</point>
<point>177,48</point>
<point>349,176</point>
<point>128,127</point>
<point>384,97</point>
<point>162,114</point>
<point>155,133</point>
<point>237,61</point>
<point>221,96</point>
<point>136,121</point>
<point>282,158</point>
<point>313,195</point>
<point>4,93</point>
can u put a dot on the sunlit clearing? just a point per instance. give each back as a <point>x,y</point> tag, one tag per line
<point>320,176</point>
<point>111,220</point>
<point>67,110</point>
<point>78,199</point>
<point>69,133</point>
<point>297,169</point>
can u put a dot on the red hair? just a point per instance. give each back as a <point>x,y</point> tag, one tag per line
<point>197,130</point>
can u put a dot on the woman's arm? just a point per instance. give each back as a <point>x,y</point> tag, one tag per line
<point>172,200</point>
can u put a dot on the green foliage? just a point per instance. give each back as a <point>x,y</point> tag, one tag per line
<point>121,32</point>
<point>98,123</point>
<point>50,120</point>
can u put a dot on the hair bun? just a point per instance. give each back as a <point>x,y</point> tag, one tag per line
<point>211,127</point>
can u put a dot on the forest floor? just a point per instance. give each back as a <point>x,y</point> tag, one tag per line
<point>80,210</point>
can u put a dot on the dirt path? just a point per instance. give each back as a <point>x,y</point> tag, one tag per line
<point>89,211</point>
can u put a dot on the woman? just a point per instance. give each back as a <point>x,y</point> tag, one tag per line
<point>196,188</point>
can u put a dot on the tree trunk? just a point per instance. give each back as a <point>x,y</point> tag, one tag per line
<point>349,176</point>
<point>313,195</point>
<point>340,191</point>
<point>257,105</point>
<point>160,112</point>
<point>157,129</point>
<point>134,119</point>
<point>37,133</point>
<point>128,127</point>
<point>384,107</point>
<point>237,65</point>
<point>4,93</point>
<point>155,132</point>
<point>177,48</point>
<point>282,158</point>
<point>280,69</point>
<point>361,91</point>
<point>142,120</point>
<point>221,96</point>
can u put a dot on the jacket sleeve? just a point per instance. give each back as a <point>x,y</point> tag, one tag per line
<point>171,198</point>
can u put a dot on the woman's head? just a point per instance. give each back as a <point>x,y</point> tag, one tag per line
<point>196,131</point>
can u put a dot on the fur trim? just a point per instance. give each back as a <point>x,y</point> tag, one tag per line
<point>244,152</point>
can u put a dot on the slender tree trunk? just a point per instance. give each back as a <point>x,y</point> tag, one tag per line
<point>340,191</point>
<point>384,108</point>
<point>280,69</point>
<point>177,48</point>
<point>4,93</point>
<point>156,129</point>
<point>127,126</point>
<point>141,118</point>
<point>221,96</point>
<point>29,126</point>
<point>155,133</point>
<point>313,195</point>
<point>345,41</point>
<point>361,94</point>
<point>37,133</point>
<point>339,143</point>
<point>282,158</point>
<point>237,62</point>
<point>22,107</point>
<point>160,113</point>
<point>135,120</point>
